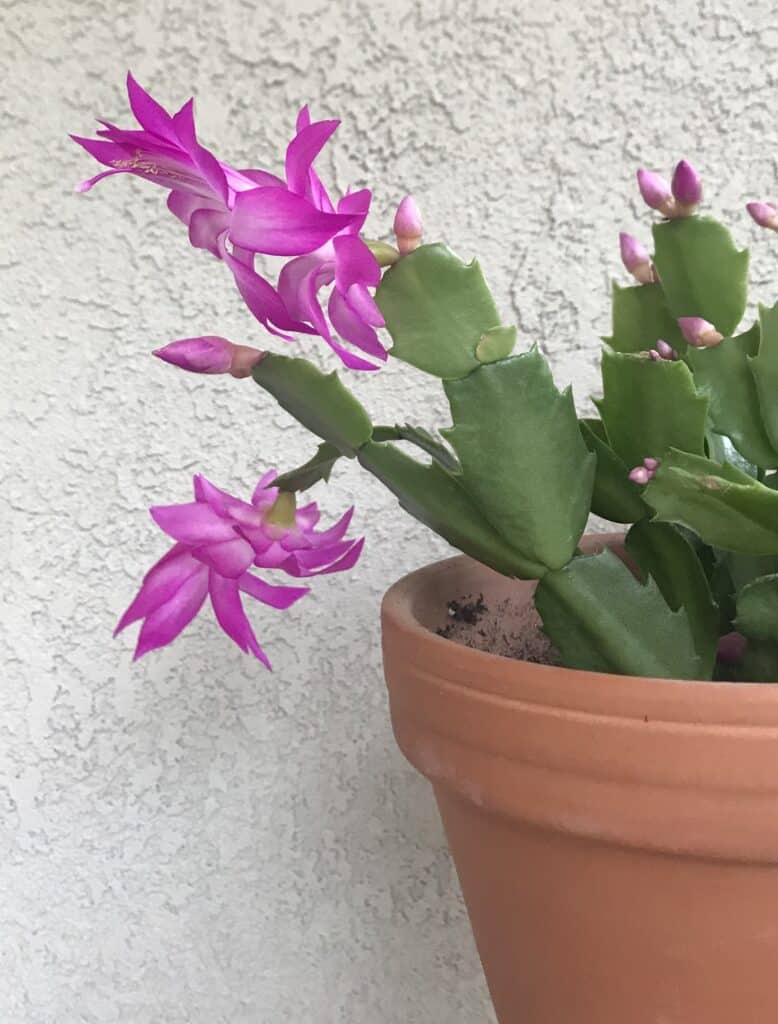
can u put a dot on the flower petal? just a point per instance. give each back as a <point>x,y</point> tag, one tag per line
<point>303,150</point>
<point>205,227</point>
<point>276,596</point>
<point>159,584</point>
<point>227,607</point>
<point>351,328</point>
<point>263,300</point>
<point>229,558</point>
<point>358,204</point>
<point>149,114</point>
<point>313,563</point>
<point>192,523</point>
<point>264,493</point>
<point>277,222</point>
<point>169,619</point>
<point>205,162</point>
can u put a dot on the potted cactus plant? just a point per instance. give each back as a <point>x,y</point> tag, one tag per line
<point>612,805</point>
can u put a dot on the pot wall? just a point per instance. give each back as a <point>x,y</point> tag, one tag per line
<point>616,838</point>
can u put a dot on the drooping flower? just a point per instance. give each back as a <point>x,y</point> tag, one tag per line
<point>636,259</point>
<point>687,188</point>
<point>210,354</point>
<point>235,214</point>
<point>764,214</point>
<point>408,227</point>
<point>219,539</point>
<point>698,332</point>
<point>342,259</point>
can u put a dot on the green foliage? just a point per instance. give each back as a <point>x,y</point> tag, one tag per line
<point>726,507</point>
<point>319,401</point>
<point>601,618</point>
<point>701,272</point>
<point>422,439</point>
<point>523,459</point>
<point>723,374</point>
<point>648,407</point>
<point>311,472</point>
<point>641,318</point>
<point>664,552</point>
<point>438,309</point>
<point>438,500</point>
<point>498,343</point>
<point>764,367</point>
<point>757,620</point>
<point>614,496</point>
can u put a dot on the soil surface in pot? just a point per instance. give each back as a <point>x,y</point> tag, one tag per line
<point>506,629</point>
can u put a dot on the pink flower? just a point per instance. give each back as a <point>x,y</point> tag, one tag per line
<point>764,214</point>
<point>341,259</point>
<point>698,332</point>
<point>218,540</point>
<point>235,214</point>
<point>408,228</point>
<point>687,187</point>
<point>636,259</point>
<point>655,191</point>
<point>210,354</point>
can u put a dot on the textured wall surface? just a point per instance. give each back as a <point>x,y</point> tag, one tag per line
<point>192,839</point>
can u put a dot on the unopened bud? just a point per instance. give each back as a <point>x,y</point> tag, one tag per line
<point>764,214</point>
<point>687,189</point>
<point>698,332</point>
<point>643,474</point>
<point>666,351</point>
<point>656,192</point>
<point>210,354</point>
<point>636,259</point>
<point>408,227</point>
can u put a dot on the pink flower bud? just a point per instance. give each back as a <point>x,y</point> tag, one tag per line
<point>635,258</point>
<point>652,465</point>
<point>687,188</point>
<point>666,351</point>
<point>698,332</point>
<point>210,354</point>
<point>656,192</point>
<point>731,647</point>
<point>764,214</point>
<point>639,475</point>
<point>408,227</point>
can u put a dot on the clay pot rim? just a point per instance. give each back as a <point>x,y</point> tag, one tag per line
<point>752,705</point>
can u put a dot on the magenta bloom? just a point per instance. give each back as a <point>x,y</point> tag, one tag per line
<point>219,539</point>
<point>210,354</point>
<point>341,258</point>
<point>235,214</point>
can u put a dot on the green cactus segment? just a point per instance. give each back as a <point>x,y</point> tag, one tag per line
<point>726,507</point>
<point>701,272</point>
<point>423,439</point>
<point>648,407</point>
<point>757,610</point>
<point>641,318</point>
<point>723,374</point>
<point>310,473</point>
<point>438,500</point>
<point>764,367</point>
<point>601,618</point>
<point>523,458</point>
<point>317,400</point>
<point>437,309</point>
<point>498,343</point>
<point>666,555</point>
<point>614,496</point>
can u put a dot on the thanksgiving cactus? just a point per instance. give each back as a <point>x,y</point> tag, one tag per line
<point>684,451</point>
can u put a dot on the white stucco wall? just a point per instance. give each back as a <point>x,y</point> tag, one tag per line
<point>191,839</point>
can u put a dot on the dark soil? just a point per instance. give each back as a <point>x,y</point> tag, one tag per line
<point>505,630</point>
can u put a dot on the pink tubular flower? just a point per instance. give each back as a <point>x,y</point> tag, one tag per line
<point>219,538</point>
<point>235,214</point>
<point>210,354</point>
<point>636,259</point>
<point>698,332</point>
<point>764,214</point>
<point>343,259</point>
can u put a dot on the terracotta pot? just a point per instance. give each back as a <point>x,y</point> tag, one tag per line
<point>616,838</point>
